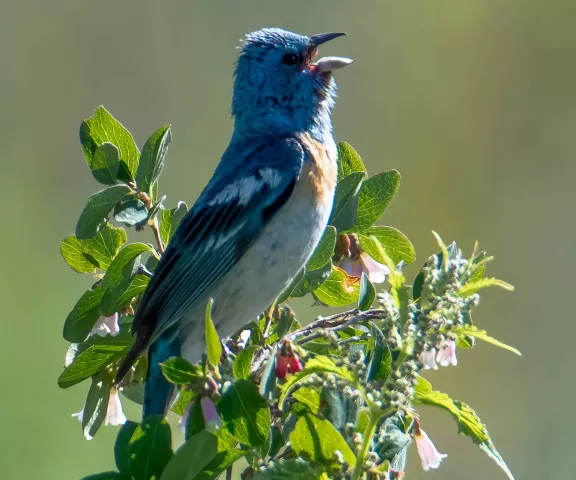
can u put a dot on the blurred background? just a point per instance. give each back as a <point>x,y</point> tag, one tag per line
<point>472,101</point>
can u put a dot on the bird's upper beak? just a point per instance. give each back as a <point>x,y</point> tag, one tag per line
<point>327,64</point>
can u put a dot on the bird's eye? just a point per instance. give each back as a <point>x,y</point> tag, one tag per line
<point>290,59</point>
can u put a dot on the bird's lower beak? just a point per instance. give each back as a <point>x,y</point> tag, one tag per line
<point>328,64</point>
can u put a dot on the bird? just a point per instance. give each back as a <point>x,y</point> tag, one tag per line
<point>260,217</point>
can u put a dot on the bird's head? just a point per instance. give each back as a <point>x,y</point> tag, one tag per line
<point>279,87</point>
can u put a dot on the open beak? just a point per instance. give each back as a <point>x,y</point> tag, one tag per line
<point>327,64</point>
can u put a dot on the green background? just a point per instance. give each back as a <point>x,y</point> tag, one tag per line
<point>473,101</point>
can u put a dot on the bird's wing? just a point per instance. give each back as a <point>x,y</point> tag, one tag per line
<point>216,232</point>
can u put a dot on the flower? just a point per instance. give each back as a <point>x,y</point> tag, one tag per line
<point>212,420</point>
<point>428,358</point>
<point>447,353</point>
<point>114,413</point>
<point>294,364</point>
<point>365,263</point>
<point>376,271</point>
<point>429,455</point>
<point>106,325</point>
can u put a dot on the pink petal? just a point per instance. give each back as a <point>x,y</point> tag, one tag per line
<point>376,271</point>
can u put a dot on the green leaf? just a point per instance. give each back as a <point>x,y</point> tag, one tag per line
<point>84,256</point>
<point>312,280</point>
<point>96,211</point>
<point>269,378</point>
<point>381,361</point>
<point>106,164</point>
<point>309,396</point>
<point>348,161</point>
<point>191,458</point>
<point>339,289</point>
<point>83,316</point>
<point>367,293</point>
<point>293,469</point>
<point>317,439</point>
<point>242,367</point>
<point>131,212</point>
<point>125,256</point>
<point>393,241</point>
<point>474,332</point>
<point>91,361</point>
<point>374,196</point>
<point>102,127</point>
<point>346,191</point>
<point>180,371</point>
<point>169,221</point>
<point>105,476</point>
<point>475,285</point>
<point>318,364</point>
<point>213,345</point>
<point>150,448</point>
<point>121,454</point>
<point>226,456</point>
<point>96,405</point>
<point>152,158</point>
<point>155,209</point>
<point>246,413</point>
<point>468,422</point>
<point>324,251</point>
<point>119,297</point>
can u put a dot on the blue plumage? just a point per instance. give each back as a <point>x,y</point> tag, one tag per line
<point>259,219</point>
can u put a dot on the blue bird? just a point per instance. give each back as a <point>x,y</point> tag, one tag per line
<point>259,219</point>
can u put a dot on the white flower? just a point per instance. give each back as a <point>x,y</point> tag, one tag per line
<point>365,263</point>
<point>106,325</point>
<point>429,455</point>
<point>428,358</point>
<point>447,353</point>
<point>376,271</point>
<point>114,414</point>
<point>212,420</point>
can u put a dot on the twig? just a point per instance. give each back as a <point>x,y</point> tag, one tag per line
<point>229,473</point>
<point>334,323</point>
<point>156,230</point>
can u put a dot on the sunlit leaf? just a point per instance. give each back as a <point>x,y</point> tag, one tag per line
<point>474,332</point>
<point>97,210</point>
<point>106,164</point>
<point>152,158</point>
<point>150,448</point>
<point>339,289</point>
<point>317,439</point>
<point>213,345</point>
<point>469,423</point>
<point>246,413</point>
<point>374,196</point>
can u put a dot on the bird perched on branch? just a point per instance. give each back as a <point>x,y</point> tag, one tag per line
<point>260,217</point>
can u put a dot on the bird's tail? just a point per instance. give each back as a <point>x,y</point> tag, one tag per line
<point>158,391</point>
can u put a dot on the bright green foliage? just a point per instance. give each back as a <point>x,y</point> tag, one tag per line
<point>469,423</point>
<point>311,402</point>
<point>317,439</point>
<point>213,345</point>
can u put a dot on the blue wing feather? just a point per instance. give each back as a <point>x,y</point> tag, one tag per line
<point>216,232</point>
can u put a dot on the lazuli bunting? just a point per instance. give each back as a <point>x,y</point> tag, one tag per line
<point>260,217</point>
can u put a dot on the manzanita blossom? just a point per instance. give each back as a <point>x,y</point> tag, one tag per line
<point>428,358</point>
<point>106,326</point>
<point>429,454</point>
<point>212,420</point>
<point>447,353</point>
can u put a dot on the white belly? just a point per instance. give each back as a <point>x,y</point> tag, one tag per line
<point>266,269</point>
